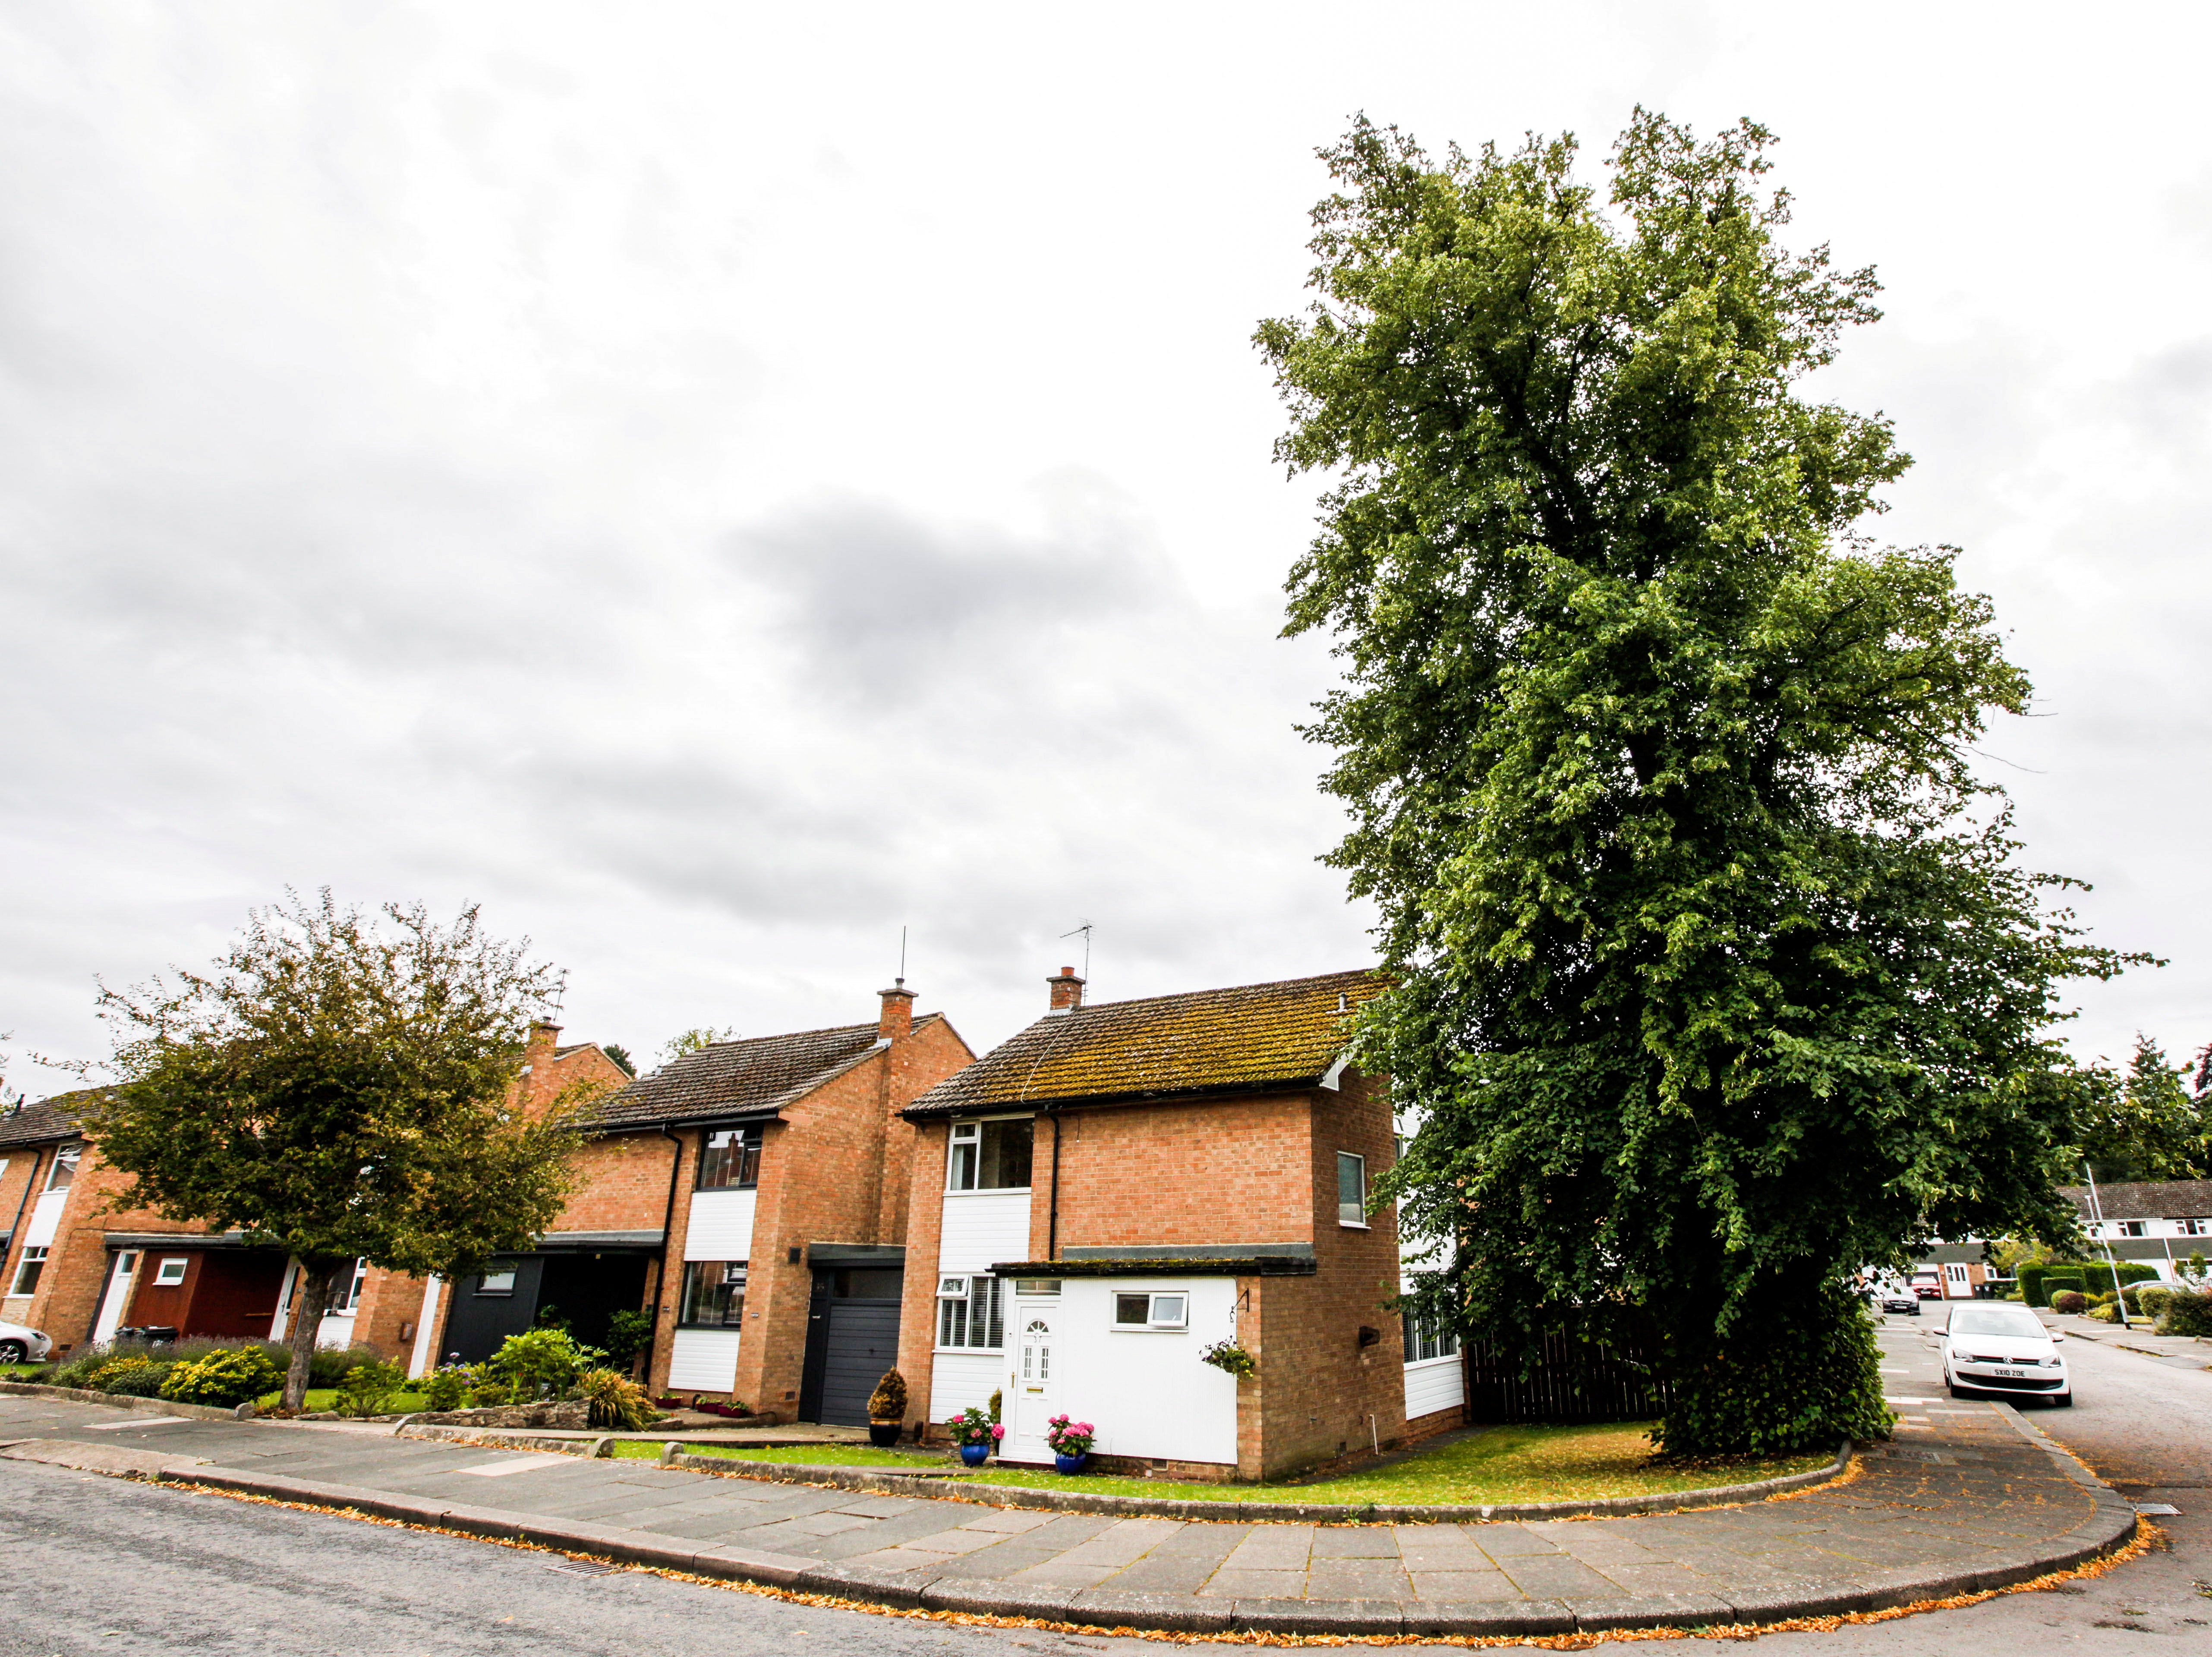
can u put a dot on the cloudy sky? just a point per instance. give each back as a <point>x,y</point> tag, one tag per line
<point>717,483</point>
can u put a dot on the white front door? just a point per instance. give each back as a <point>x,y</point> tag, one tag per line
<point>120,1282</point>
<point>1035,1387</point>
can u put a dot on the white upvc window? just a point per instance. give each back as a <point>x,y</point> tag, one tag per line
<point>1427,1337</point>
<point>1145,1310</point>
<point>1350,1190</point>
<point>171,1271</point>
<point>990,1156</point>
<point>59,1177</point>
<point>2196,1228</point>
<point>971,1314</point>
<point>28,1270</point>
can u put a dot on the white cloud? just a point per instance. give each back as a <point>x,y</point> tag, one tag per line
<point>717,484</point>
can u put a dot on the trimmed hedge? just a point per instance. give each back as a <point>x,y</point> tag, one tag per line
<point>2187,1315</point>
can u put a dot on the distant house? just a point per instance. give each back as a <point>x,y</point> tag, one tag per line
<point>80,1266</point>
<point>1121,1188</point>
<point>2157,1222</point>
<point>752,1197</point>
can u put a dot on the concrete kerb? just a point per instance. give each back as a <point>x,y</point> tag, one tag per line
<point>591,1448</point>
<point>673,1454</point>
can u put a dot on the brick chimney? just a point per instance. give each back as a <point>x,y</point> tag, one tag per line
<point>897,1016</point>
<point>1066,991</point>
<point>544,1036</point>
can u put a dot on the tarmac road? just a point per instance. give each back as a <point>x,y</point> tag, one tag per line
<point>100,1565</point>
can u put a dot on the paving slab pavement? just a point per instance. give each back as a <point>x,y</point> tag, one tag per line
<point>1968,1497</point>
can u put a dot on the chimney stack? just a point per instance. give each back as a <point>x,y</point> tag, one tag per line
<point>1066,991</point>
<point>897,1017</point>
<point>544,1035</point>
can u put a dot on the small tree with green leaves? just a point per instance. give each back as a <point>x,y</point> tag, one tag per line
<point>340,1086</point>
<point>1717,981</point>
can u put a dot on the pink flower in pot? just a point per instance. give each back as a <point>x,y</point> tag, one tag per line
<point>997,1432</point>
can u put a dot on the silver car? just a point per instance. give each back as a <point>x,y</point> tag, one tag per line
<point>22,1345</point>
<point>2004,1349</point>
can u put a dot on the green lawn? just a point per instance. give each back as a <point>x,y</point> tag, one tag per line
<point>326,1398</point>
<point>1499,1464</point>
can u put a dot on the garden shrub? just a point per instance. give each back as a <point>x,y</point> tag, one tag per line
<point>2055,1286</point>
<point>446,1387</point>
<point>2187,1315</point>
<point>541,1364</point>
<point>2109,1312</point>
<point>2032,1289</point>
<point>130,1377</point>
<point>628,1334</point>
<point>369,1388</point>
<point>2069,1301</point>
<point>2151,1300</point>
<point>617,1403</point>
<point>888,1402</point>
<point>236,1376</point>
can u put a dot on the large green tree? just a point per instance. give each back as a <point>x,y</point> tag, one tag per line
<point>341,1086</point>
<point>1717,979</point>
<point>2141,1125</point>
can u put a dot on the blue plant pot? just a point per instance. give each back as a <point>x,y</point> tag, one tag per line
<point>1070,1466</point>
<point>975,1454</point>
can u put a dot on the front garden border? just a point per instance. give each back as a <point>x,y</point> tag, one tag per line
<point>876,1481</point>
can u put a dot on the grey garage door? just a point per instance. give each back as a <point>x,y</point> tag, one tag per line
<point>851,1343</point>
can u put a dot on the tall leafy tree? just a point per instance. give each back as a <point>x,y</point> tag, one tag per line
<point>2141,1125</point>
<point>341,1086</point>
<point>1716,980</point>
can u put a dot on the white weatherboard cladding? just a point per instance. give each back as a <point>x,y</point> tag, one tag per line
<point>958,1379</point>
<point>721,1227</point>
<point>983,1228</point>
<point>1435,1384</point>
<point>704,1360</point>
<point>1144,1390</point>
<point>46,1219</point>
<point>424,1358</point>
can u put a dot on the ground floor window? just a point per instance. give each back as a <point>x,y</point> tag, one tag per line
<point>714,1295</point>
<point>346,1284</point>
<point>28,1270</point>
<point>1427,1337</point>
<point>1148,1311</point>
<point>971,1312</point>
<point>171,1271</point>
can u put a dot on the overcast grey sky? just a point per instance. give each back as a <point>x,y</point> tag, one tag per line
<point>717,483</point>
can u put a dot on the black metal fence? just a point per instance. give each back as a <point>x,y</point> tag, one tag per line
<point>1572,1381</point>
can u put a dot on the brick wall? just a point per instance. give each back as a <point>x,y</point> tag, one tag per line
<point>925,1227</point>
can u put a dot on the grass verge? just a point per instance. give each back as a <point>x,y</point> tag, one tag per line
<point>1498,1464</point>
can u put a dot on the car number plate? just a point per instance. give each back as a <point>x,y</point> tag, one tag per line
<point>2016,1375</point>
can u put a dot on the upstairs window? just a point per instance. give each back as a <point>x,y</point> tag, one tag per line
<point>990,1156</point>
<point>1351,1189</point>
<point>729,1160</point>
<point>170,1272</point>
<point>2194,1228</point>
<point>498,1281</point>
<point>64,1168</point>
<point>714,1295</point>
<point>2131,1228</point>
<point>971,1314</point>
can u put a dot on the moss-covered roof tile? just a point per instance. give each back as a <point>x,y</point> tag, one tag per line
<point>1204,1040</point>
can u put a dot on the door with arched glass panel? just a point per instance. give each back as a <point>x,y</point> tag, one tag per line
<point>1035,1387</point>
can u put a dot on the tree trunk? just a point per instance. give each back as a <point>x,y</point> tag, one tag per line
<point>315,1293</point>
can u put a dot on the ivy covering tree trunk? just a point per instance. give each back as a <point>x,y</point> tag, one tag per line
<point>1716,981</point>
<point>341,1087</point>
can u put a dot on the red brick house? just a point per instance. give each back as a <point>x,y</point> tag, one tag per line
<point>1121,1188</point>
<point>753,1196</point>
<point>80,1266</point>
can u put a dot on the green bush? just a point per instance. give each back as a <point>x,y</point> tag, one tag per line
<point>446,1387</point>
<point>2106,1312</point>
<point>541,1364</point>
<point>2055,1285</point>
<point>2031,1287</point>
<point>2187,1315</point>
<point>224,1378</point>
<point>130,1377</point>
<point>2069,1301</point>
<point>369,1388</point>
<point>628,1334</point>
<point>2151,1300</point>
<point>2098,1275</point>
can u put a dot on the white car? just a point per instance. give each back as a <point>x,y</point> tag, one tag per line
<point>2004,1350</point>
<point>19,1344</point>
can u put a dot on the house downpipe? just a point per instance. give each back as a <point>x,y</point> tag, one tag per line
<point>668,1225</point>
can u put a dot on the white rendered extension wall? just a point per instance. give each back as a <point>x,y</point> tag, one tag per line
<point>981,1229</point>
<point>1432,1384</point>
<point>1144,1390</point>
<point>721,1227</point>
